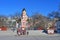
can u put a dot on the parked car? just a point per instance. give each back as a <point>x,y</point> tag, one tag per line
<point>3,28</point>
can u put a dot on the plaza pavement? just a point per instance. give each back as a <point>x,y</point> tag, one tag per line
<point>29,37</point>
<point>31,33</point>
<point>10,35</point>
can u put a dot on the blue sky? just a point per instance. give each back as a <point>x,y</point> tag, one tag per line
<point>10,7</point>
